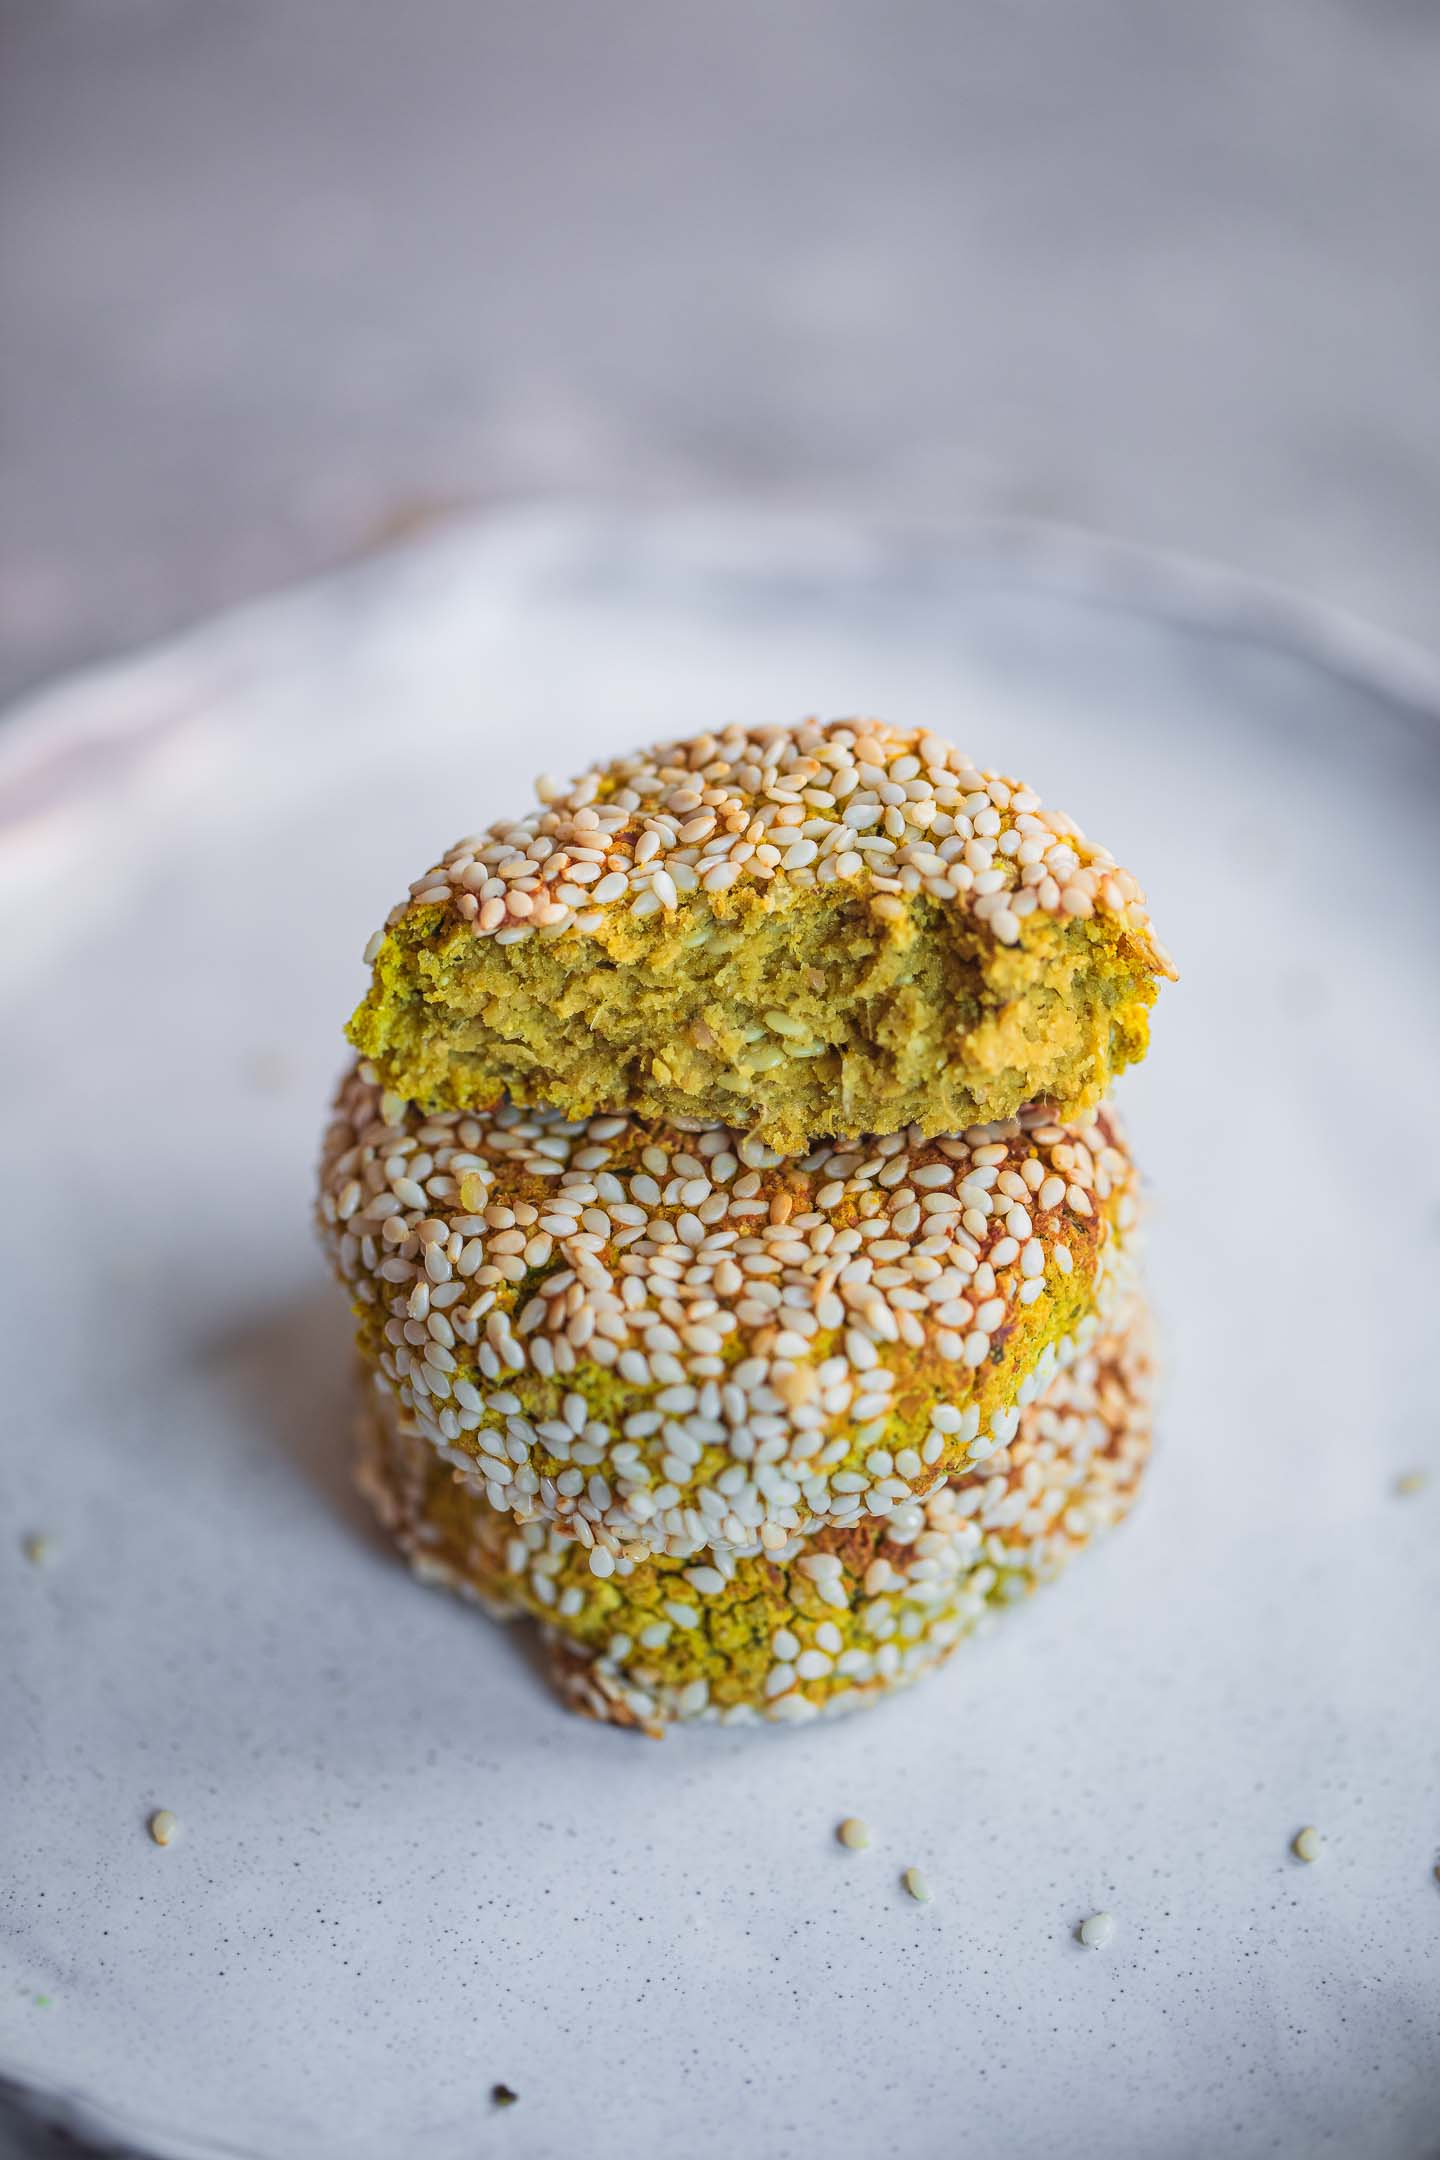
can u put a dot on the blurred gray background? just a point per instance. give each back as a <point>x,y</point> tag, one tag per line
<point>281,280</point>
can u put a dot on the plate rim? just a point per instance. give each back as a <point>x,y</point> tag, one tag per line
<point>48,734</point>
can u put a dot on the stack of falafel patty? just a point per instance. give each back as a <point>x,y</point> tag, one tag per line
<point>742,1252</point>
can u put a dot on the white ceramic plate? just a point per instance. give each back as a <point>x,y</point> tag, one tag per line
<point>403,1873</point>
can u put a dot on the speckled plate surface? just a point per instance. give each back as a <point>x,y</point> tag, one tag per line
<point>403,1874</point>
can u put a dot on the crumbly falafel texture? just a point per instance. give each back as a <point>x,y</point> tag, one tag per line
<point>813,932</point>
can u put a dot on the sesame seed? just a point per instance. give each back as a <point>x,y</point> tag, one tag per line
<point>1411,1482</point>
<point>38,1548</point>
<point>163,1826</point>
<point>1307,1844</point>
<point>854,1833</point>
<point>757,1323</point>
<point>1098,1930</point>
<point>684,821</point>
<point>932,1569</point>
<point>917,1886</point>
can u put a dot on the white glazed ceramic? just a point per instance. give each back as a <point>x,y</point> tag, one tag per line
<point>403,1874</point>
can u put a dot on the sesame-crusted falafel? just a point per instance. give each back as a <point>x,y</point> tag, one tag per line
<point>667,1339</point>
<point>822,1625</point>
<point>808,932</point>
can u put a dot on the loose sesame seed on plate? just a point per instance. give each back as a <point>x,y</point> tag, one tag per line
<point>1098,1930</point>
<point>163,1826</point>
<point>1307,1844</point>
<point>917,1886</point>
<point>854,1833</point>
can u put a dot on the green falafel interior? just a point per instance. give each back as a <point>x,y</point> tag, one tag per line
<point>741,1250</point>
<point>810,933</point>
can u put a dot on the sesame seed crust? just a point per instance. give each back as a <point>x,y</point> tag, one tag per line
<point>667,1338</point>
<point>807,804</point>
<point>739,828</point>
<point>821,1626</point>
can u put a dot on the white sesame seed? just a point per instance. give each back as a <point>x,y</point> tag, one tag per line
<point>1098,1930</point>
<point>773,1345</point>
<point>853,1833</point>
<point>917,1886</point>
<point>163,1827</point>
<point>902,819</point>
<point>820,1566</point>
<point>1307,1843</point>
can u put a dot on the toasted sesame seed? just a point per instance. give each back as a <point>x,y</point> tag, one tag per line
<point>758,1322</point>
<point>937,1565</point>
<point>854,1833</point>
<point>904,819</point>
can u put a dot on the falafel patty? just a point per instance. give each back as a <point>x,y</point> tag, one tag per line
<point>820,1625</point>
<point>810,932</point>
<point>664,1337</point>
